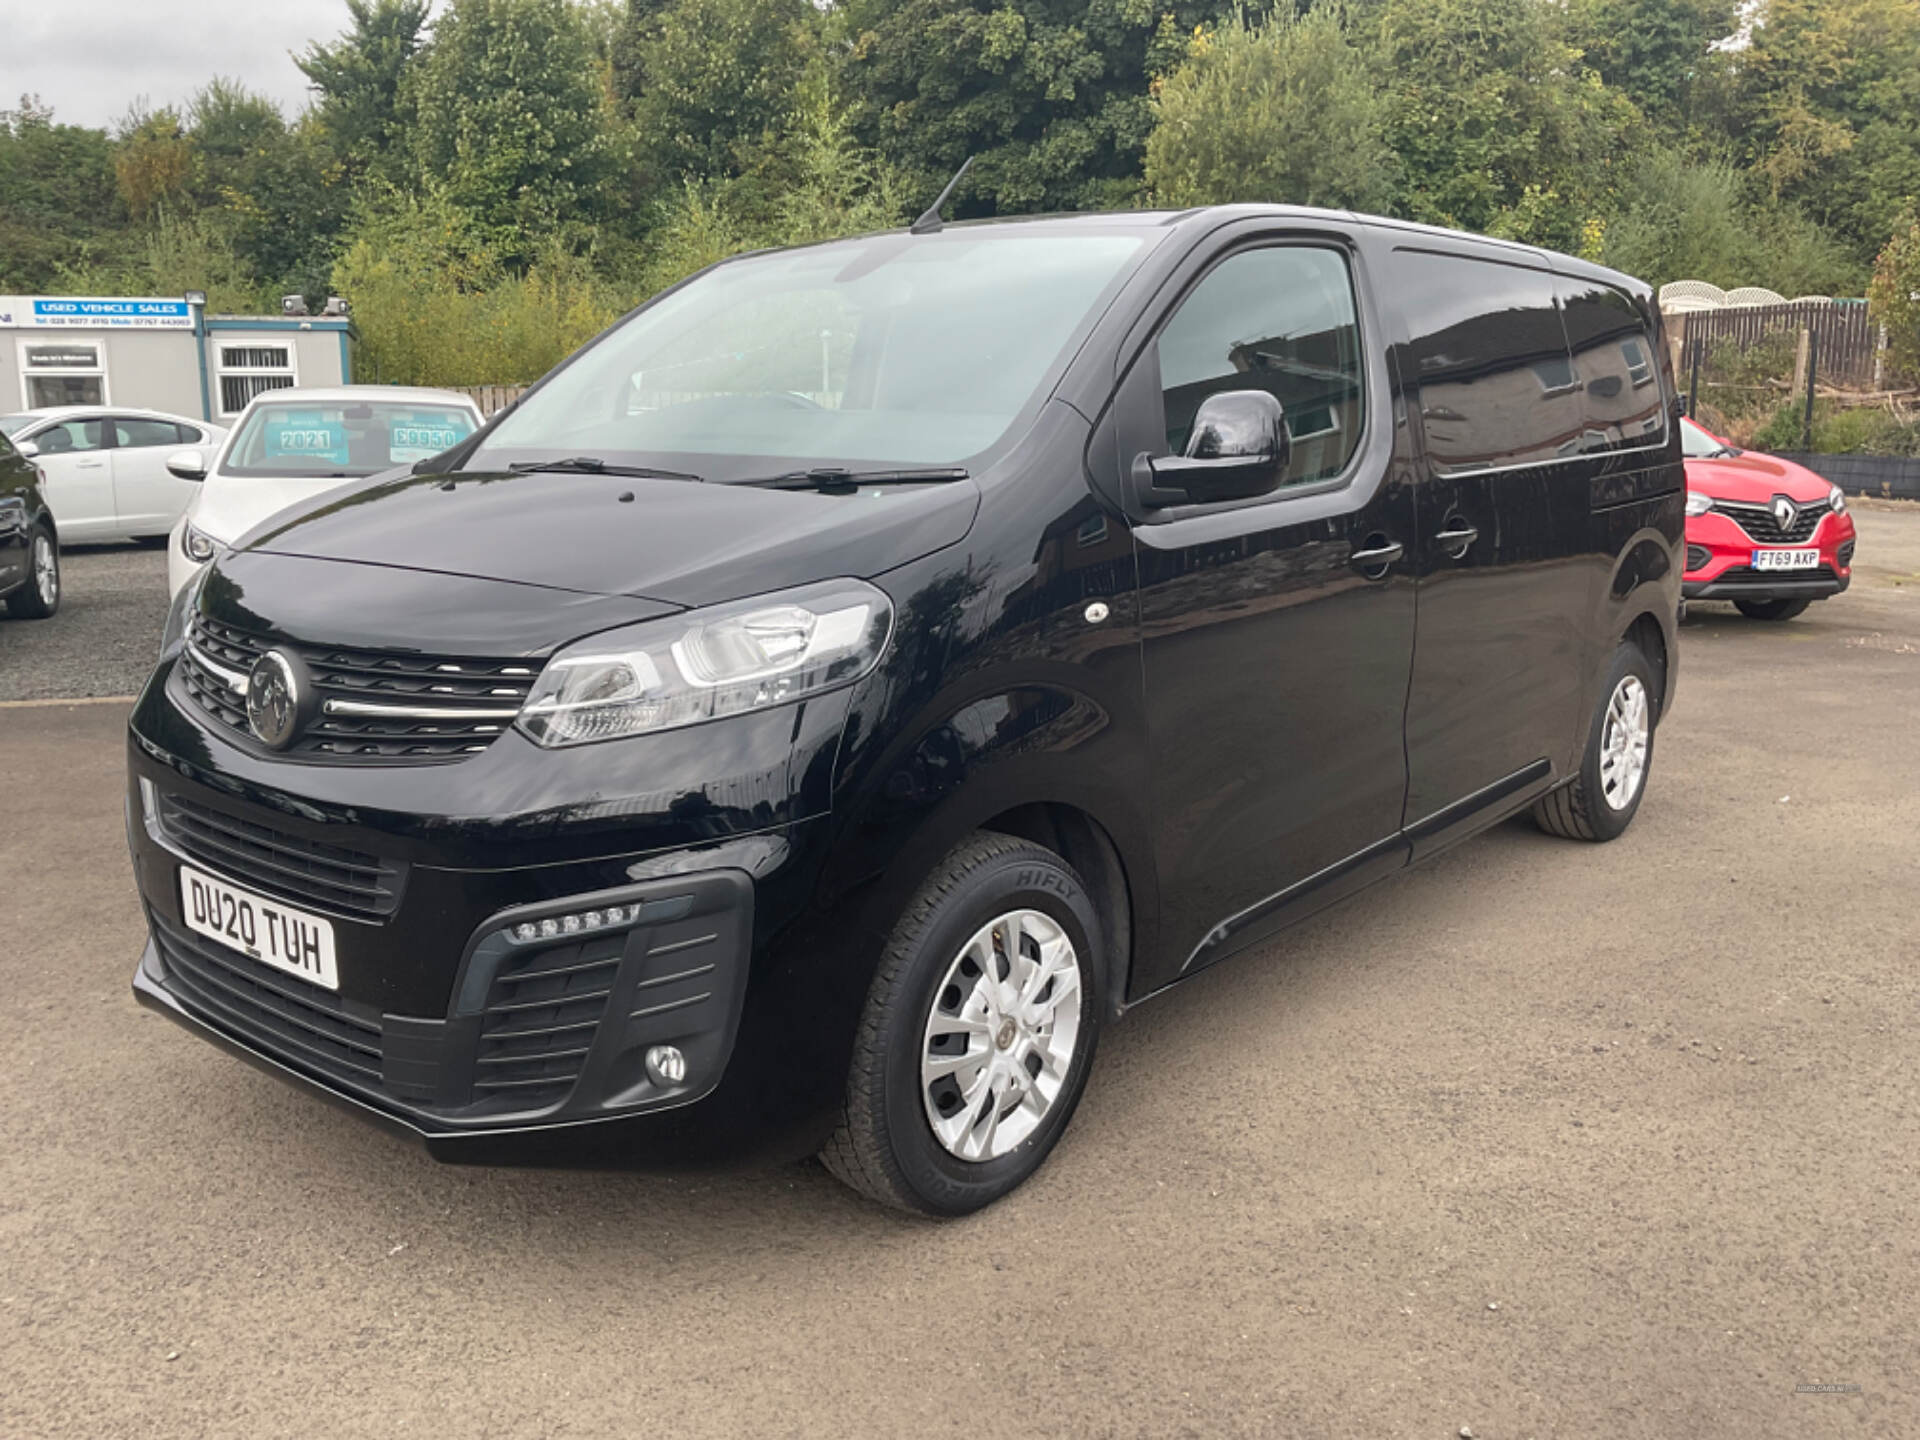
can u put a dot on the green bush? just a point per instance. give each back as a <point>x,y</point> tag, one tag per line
<point>1836,431</point>
<point>434,304</point>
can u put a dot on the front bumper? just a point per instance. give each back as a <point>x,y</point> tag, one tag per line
<point>1756,585</point>
<point>1720,562</point>
<point>447,1027</point>
<point>481,1085</point>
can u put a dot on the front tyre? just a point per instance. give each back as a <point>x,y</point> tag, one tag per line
<point>1770,609</point>
<point>40,596</point>
<point>1605,795</point>
<point>978,1034</point>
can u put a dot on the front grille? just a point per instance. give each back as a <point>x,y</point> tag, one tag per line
<point>542,1012</point>
<point>280,1014</point>
<point>309,872</point>
<point>375,705</point>
<point>1845,554</point>
<point>1745,576</point>
<point>1697,557</point>
<point>1763,529</point>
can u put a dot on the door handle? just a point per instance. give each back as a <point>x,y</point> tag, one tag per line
<point>1380,552</point>
<point>1456,540</point>
<point>88,464</point>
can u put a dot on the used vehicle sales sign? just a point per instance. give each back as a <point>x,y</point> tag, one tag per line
<point>45,311</point>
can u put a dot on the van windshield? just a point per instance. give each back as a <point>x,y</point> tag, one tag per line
<point>914,350</point>
<point>315,438</point>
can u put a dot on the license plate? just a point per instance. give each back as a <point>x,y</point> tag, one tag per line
<point>1786,559</point>
<point>272,933</point>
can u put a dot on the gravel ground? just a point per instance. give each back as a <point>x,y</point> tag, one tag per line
<point>1541,1139</point>
<point>103,638</point>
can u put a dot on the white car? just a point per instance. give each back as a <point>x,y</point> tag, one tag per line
<point>290,445</point>
<point>106,467</point>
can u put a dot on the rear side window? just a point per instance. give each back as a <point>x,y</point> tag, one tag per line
<point>71,435</point>
<point>1279,319</point>
<point>1614,357</point>
<point>1497,386</point>
<point>132,433</point>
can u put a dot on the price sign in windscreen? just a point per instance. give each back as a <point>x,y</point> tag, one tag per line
<point>417,434</point>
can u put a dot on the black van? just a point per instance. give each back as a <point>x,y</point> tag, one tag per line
<point>821,704</point>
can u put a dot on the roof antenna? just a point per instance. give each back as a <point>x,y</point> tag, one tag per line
<point>929,223</point>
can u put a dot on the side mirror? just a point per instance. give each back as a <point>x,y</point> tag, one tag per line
<point>1237,449</point>
<point>28,448</point>
<point>187,464</point>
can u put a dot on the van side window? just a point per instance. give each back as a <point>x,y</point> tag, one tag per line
<point>1614,357</point>
<point>1497,387</point>
<point>1280,319</point>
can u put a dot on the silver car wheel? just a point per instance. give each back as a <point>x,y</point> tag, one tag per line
<point>1000,1039</point>
<point>46,570</point>
<point>1624,738</point>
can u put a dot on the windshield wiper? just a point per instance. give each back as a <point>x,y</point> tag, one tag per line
<point>594,465</point>
<point>832,478</point>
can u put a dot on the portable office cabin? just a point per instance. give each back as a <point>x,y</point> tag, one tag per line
<point>155,353</point>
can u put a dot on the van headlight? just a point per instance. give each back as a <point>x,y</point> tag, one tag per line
<point>1698,504</point>
<point>706,664</point>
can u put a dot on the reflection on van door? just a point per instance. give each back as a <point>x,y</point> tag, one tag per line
<point>1506,583</point>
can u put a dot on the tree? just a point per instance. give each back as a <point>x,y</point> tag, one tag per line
<point>1049,95</point>
<point>1496,126</point>
<point>58,197</point>
<point>512,118</point>
<point>1282,109</point>
<point>1826,109</point>
<point>153,162</point>
<point>1652,50</point>
<point>1686,220</point>
<point>274,189</point>
<point>711,81</point>
<point>360,81</point>
<point>1894,296</point>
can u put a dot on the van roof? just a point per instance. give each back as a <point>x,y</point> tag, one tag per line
<point>1208,216</point>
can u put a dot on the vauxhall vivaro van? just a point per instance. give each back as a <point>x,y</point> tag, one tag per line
<point>825,701</point>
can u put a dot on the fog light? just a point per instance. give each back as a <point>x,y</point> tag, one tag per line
<point>666,1065</point>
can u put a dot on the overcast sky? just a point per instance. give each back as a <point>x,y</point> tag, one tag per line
<point>89,59</point>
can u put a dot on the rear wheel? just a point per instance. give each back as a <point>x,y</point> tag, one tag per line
<point>40,596</point>
<point>978,1034</point>
<point>1770,609</point>
<point>1604,796</point>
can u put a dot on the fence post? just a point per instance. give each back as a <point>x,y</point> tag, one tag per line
<point>1693,381</point>
<point>1811,352</point>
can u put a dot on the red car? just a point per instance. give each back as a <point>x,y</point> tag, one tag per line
<point>1765,533</point>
